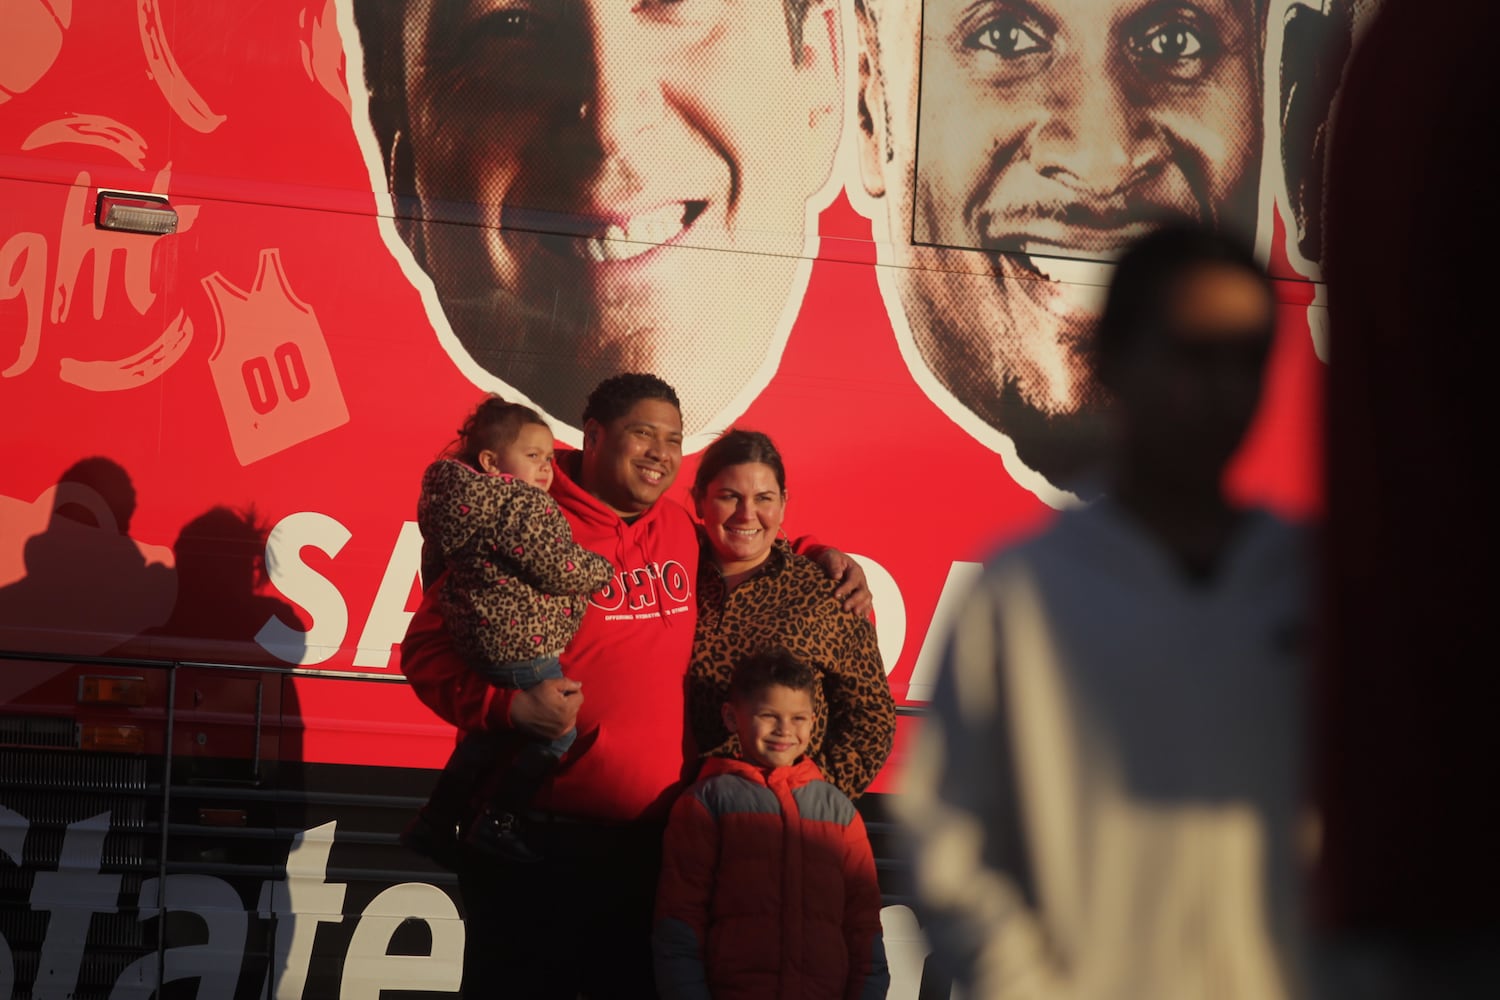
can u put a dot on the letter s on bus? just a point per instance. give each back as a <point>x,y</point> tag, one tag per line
<point>300,583</point>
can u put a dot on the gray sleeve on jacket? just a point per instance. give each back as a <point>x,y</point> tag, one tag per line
<point>878,977</point>
<point>678,958</point>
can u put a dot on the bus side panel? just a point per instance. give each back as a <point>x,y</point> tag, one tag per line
<point>81,792</point>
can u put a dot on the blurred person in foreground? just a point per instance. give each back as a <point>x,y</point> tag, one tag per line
<point>1104,801</point>
<point>1407,753</point>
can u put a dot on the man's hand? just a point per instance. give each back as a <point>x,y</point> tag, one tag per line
<point>850,576</point>
<point>548,709</point>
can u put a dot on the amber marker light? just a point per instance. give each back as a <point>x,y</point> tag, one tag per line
<point>120,739</point>
<point>128,692</point>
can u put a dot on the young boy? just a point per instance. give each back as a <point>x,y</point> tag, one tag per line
<point>768,884</point>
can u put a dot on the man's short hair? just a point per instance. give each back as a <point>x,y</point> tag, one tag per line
<point>379,24</point>
<point>383,75</point>
<point>796,24</point>
<point>871,11</point>
<point>769,668</point>
<point>613,398</point>
<point>1146,279</point>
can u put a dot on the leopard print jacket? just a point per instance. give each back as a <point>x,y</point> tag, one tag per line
<point>517,583</point>
<point>790,603</point>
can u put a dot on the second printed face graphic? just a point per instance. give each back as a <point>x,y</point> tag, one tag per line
<point>1039,135</point>
<point>595,186</point>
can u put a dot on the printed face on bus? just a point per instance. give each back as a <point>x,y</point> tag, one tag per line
<point>1043,133</point>
<point>599,186</point>
<point>1315,43</point>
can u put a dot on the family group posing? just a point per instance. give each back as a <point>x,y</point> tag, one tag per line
<point>722,694</point>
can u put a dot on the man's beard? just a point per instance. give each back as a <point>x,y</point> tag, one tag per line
<point>1067,448</point>
<point>1061,436</point>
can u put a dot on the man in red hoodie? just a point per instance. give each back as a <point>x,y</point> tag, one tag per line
<point>579,920</point>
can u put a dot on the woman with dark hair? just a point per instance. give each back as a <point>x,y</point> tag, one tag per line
<point>755,593</point>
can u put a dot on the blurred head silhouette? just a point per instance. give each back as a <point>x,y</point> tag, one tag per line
<point>1182,347</point>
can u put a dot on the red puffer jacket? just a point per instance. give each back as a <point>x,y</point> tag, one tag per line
<point>768,890</point>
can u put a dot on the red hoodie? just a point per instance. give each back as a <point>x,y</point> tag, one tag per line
<point>631,654</point>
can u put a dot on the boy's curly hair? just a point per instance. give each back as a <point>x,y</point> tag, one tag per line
<point>770,667</point>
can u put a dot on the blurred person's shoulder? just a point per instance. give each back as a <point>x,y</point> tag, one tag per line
<point>1080,537</point>
<point>1102,540</point>
<point>1272,550</point>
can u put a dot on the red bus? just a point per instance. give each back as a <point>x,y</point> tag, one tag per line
<point>257,261</point>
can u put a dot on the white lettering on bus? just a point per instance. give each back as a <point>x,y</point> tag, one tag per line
<point>632,593</point>
<point>644,589</point>
<point>299,903</point>
<point>303,900</point>
<point>388,617</point>
<point>961,579</point>
<point>71,896</point>
<point>890,610</point>
<point>304,585</point>
<point>370,968</point>
<point>77,890</point>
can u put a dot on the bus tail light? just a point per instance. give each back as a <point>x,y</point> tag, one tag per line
<point>120,739</point>
<point>94,689</point>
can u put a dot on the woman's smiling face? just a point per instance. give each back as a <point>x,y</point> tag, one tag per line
<point>742,508</point>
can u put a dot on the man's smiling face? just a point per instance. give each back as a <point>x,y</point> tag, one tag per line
<point>1071,127</point>
<point>1041,138</point>
<point>631,461</point>
<point>582,165</point>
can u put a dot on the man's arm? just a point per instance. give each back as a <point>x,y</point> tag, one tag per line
<point>458,695</point>
<point>959,807</point>
<point>851,588</point>
<point>690,850</point>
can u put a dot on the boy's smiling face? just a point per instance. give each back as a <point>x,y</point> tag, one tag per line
<point>774,725</point>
